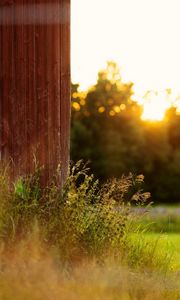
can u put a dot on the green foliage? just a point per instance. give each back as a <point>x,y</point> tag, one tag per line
<point>163,220</point>
<point>107,130</point>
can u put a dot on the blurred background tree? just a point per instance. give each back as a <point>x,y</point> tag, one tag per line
<point>108,131</point>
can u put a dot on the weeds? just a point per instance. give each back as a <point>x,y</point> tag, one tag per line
<point>80,218</point>
<point>53,228</point>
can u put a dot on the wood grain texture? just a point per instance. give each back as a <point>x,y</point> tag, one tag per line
<point>35,84</point>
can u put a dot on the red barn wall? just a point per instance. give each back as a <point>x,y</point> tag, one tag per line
<point>35,84</point>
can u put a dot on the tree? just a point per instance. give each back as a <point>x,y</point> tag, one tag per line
<point>103,124</point>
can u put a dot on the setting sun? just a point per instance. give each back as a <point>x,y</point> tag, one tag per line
<point>155,106</point>
<point>140,35</point>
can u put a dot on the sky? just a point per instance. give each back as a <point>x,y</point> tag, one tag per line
<point>142,36</point>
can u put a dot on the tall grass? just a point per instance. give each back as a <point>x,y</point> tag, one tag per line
<point>78,242</point>
<point>30,274</point>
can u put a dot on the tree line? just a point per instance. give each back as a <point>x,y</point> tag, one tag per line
<point>108,131</point>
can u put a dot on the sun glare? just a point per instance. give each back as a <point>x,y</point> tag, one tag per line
<point>155,106</point>
<point>140,35</point>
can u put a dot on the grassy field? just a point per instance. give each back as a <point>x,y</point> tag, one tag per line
<point>161,219</point>
<point>29,272</point>
<point>74,244</point>
<point>170,242</point>
<point>163,227</point>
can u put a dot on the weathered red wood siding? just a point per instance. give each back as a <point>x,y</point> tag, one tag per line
<point>35,84</point>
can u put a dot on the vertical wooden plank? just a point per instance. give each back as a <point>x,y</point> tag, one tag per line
<point>41,89</point>
<point>50,82</point>
<point>33,103</point>
<point>4,121</point>
<point>65,78</point>
<point>6,81</point>
<point>54,73</point>
<point>29,51</point>
<point>12,88</point>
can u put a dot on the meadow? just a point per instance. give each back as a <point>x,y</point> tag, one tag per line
<point>163,223</point>
<point>167,241</point>
<point>82,241</point>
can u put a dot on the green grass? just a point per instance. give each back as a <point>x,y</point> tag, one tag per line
<point>167,242</point>
<point>162,219</point>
